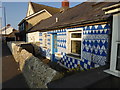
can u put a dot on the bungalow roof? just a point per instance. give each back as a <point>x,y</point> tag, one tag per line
<point>82,13</point>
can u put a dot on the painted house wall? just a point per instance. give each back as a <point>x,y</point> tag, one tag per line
<point>33,37</point>
<point>7,31</point>
<point>30,9</point>
<point>34,20</point>
<point>95,40</point>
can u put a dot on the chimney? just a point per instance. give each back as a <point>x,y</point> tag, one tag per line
<point>65,5</point>
<point>8,25</point>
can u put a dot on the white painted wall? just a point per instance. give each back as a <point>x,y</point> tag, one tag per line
<point>114,47</point>
<point>32,37</point>
<point>115,40</point>
<point>7,31</point>
<point>30,9</point>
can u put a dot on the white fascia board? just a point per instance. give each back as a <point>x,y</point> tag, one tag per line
<point>48,12</point>
<point>74,29</point>
<point>35,14</point>
<point>113,11</point>
<point>116,5</point>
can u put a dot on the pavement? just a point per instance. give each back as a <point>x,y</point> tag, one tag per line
<point>11,75</point>
<point>94,78</point>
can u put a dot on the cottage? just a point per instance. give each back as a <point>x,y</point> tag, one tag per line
<point>78,36</point>
<point>35,13</point>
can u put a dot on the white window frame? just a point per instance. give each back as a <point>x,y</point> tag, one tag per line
<point>69,39</point>
<point>44,40</point>
<point>114,46</point>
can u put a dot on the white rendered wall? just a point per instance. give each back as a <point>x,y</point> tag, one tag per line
<point>115,39</point>
<point>7,31</point>
<point>32,37</point>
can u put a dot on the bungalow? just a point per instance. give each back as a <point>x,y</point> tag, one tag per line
<point>79,36</point>
<point>35,13</point>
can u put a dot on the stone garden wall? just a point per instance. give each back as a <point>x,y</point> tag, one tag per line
<point>36,73</point>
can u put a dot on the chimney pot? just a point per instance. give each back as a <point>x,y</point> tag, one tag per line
<point>65,3</point>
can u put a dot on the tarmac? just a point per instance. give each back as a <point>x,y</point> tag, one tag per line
<point>11,75</point>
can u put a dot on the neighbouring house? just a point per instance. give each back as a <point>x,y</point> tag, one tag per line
<point>35,13</point>
<point>82,35</point>
<point>8,33</point>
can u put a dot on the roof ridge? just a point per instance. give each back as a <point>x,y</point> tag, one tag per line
<point>37,7</point>
<point>43,5</point>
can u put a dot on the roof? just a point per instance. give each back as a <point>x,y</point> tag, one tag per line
<point>11,34</point>
<point>112,9</point>
<point>82,13</point>
<point>39,7</point>
<point>21,22</point>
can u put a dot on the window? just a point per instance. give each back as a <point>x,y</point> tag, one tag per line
<point>76,47</point>
<point>45,40</point>
<point>76,35</point>
<point>118,58</point>
<point>75,40</point>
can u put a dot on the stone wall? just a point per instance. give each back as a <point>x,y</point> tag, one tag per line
<point>36,73</point>
<point>36,46</point>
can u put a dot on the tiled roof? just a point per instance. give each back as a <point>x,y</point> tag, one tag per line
<point>84,12</point>
<point>38,7</point>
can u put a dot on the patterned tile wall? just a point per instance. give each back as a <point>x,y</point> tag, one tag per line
<point>94,47</point>
<point>95,43</point>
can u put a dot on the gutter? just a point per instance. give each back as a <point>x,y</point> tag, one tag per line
<point>111,7</point>
<point>35,14</point>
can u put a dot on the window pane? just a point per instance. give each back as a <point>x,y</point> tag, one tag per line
<point>55,41</point>
<point>76,47</point>
<point>118,58</point>
<point>119,50</point>
<point>45,39</point>
<point>76,35</point>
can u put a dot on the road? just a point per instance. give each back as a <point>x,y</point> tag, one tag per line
<point>11,76</point>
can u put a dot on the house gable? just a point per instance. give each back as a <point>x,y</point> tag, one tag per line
<point>30,10</point>
<point>37,12</point>
<point>37,18</point>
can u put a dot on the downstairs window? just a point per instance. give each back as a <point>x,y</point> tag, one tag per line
<point>75,43</point>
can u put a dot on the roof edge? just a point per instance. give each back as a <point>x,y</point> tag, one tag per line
<point>72,25</point>
<point>111,7</point>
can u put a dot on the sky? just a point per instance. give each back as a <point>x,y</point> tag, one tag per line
<point>16,11</point>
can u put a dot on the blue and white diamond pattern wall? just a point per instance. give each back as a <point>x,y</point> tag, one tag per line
<point>61,42</point>
<point>95,43</point>
<point>94,46</point>
<point>71,62</point>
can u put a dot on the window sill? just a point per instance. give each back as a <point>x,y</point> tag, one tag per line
<point>58,55</point>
